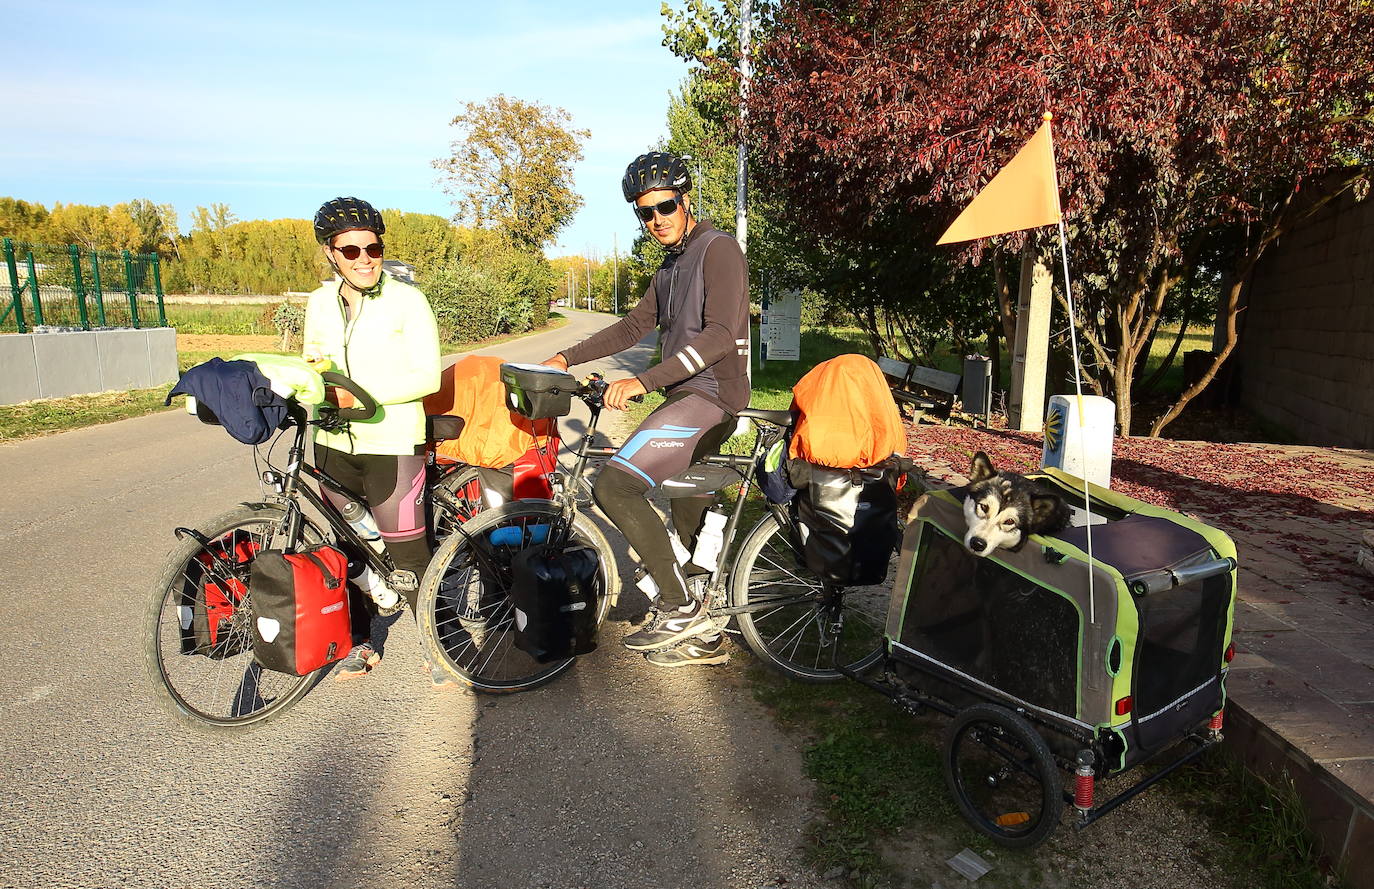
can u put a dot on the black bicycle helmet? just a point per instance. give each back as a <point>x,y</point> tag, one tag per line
<point>344,215</point>
<point>653,171</point>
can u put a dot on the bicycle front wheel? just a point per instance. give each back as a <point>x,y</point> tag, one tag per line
<point>198,631</point>
<point>794,623</point>
<point>467,619</point>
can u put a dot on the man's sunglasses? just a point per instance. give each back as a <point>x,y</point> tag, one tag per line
<point>663,208</point>
<point>353,251</point>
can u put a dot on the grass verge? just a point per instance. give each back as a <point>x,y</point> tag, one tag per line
<point>1263,825</point>
<point>34,418</point>
<point>878,776</point>
<point>877,771</point>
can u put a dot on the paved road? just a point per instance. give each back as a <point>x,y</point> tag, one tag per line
<point>616,775</point>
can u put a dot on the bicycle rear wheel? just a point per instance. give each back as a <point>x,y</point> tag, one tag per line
<point>457,498</point>
<point>197,627</point>
<point>791,619</point>
<point>467,620</point>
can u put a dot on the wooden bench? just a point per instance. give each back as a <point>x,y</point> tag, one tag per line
<point>921,390</point>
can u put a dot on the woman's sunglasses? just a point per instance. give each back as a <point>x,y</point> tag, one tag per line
<point>353,251</point>
<point>663,208</point>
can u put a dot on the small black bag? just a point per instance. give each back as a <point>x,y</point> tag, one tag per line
<point>773,472</point>
<point>849,517</point>
<point>538,392</point>
<point>556,592</point>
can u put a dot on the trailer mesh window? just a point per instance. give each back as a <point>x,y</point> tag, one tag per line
<point>986,621</point>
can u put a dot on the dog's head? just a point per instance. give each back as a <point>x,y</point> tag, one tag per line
<point>1003,508</point>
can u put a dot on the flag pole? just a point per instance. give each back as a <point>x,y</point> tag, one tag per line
<point>1077,379</point>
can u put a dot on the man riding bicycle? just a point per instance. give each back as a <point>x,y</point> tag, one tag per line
<point>699,299</point>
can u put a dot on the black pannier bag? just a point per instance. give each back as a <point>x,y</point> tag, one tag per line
<point>555,591</point>
<point>849,521</point>
<point>212,591</point>
<point>538,392</point>
<point>300,609</point>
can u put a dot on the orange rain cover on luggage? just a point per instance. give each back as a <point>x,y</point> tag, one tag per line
<point>493,436</point>
<point>847,415</point>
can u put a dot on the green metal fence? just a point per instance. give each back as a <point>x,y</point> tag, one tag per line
<point>78,288</point>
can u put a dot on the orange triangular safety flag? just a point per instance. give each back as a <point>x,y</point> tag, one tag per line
<point>1024,194</point>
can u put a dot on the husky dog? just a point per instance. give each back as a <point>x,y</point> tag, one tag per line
<point>1002,508</point>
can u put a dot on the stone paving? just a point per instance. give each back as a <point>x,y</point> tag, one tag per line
<point>1301,687</point>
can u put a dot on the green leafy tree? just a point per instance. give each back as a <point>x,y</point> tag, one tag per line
<point>22,221</point>
<point>493,288</point>
<point>423,240</point>
<point>93,228</point>
<point>511,169</point>
<point>157,225</point>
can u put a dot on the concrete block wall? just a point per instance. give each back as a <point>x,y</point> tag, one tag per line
<point>59,363</point>
<point>1307,347</point>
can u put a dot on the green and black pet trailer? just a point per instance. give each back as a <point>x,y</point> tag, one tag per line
<point>1049,658</point>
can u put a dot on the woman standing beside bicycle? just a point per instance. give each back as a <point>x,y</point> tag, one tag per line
<point>381,333</point>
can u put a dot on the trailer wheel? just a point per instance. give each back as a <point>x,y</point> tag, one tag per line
<point>1002,776</point>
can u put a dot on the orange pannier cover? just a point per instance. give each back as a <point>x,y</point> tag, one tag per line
<point>493,436</point>
<point>847,415</point>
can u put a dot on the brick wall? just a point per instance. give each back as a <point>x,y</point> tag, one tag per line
<point>1307,347</point>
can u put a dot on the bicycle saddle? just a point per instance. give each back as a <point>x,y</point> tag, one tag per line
<point>777,418</point>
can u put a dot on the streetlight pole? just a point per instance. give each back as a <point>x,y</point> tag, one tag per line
<point>615,280</point>
<point>589,285</point>
<point>741,220</point>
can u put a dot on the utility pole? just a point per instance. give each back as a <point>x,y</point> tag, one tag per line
<point>746,15</point>
<point>589,285</point>
<point>615,280</point>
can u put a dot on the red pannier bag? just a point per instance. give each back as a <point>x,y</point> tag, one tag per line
<point>300,609</point>
<point>211,593</point>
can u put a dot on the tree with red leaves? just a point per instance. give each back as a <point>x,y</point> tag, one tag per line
<point>1184,129</point>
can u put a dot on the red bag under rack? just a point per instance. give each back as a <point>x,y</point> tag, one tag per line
<point>300,609</point>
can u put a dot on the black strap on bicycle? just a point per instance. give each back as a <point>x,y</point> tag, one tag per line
<point>330,580</point>
<point>225,567</point>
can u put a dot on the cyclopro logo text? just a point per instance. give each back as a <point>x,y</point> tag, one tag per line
<point>667,444</point>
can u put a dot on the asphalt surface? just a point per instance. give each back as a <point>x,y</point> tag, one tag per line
<point>616,775</point>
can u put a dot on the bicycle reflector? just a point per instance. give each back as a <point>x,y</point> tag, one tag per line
<point>1124,705</point>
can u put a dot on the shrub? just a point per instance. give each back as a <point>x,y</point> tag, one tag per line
<point>289,319</point>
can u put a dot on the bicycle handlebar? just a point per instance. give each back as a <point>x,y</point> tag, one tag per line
<point>367,405</point>
<point>594,389</point>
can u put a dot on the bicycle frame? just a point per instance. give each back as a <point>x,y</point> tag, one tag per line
<point>288,491</point>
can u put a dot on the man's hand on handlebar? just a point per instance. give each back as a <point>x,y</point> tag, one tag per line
<point>621,391</point>
<point>557,362</point>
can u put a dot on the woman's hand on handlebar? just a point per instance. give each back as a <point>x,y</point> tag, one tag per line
<point>622,391</point>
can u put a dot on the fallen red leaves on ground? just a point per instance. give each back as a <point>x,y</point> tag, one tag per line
<point>1251,491</point>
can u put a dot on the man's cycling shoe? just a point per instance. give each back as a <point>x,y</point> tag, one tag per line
<point>689,653</point>
<point>359,662</point>
<point>670,627</point>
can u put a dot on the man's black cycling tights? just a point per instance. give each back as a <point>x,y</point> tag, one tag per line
<point>673,437</point>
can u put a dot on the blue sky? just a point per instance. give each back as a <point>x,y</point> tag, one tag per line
<point>273,108</point>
